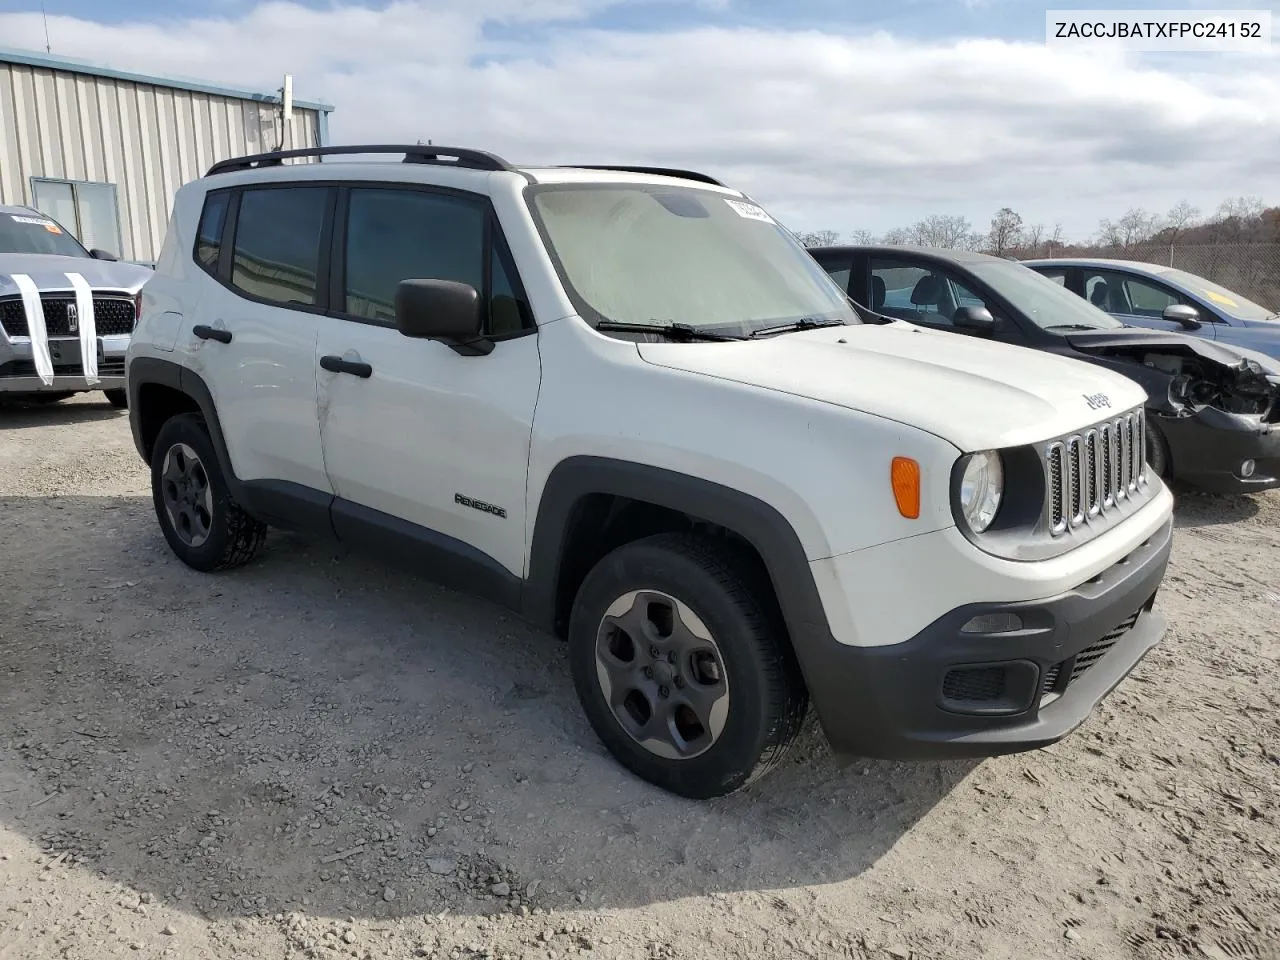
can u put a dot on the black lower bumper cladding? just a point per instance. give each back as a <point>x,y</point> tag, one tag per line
<point>953,691</point>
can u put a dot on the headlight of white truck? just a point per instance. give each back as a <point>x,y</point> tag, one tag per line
<point>981,489</point>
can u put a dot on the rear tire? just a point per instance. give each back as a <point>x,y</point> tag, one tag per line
<point>117,398</point>
<point>684,674</point>
<point>204,525</point>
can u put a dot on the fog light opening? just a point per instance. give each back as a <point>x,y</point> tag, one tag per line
<point>993,623</point>
<point>1247,468</point>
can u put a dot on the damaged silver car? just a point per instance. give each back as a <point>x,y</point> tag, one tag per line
<point>66,313</point>
<point>1213,408</point>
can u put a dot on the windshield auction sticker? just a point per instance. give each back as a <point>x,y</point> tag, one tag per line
<point>37,222</point>
<point>1185,31</point>
<point>749,210</point>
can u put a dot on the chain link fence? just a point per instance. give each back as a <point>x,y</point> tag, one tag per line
<point>1249,269</point>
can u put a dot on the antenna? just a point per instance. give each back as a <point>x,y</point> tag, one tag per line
<point>286,109</point>
<point>48,47</point>
<point>286,96</point>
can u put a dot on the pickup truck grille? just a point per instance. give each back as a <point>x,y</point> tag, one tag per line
<point>112,316</point>
<point>1092,473</point>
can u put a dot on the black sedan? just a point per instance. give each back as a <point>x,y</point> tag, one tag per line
<point>1214,410</point>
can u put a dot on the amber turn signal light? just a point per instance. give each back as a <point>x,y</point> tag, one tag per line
<point>904,474</point>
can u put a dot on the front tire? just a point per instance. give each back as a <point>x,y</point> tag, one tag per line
<point>1157,452</point>
<point>117,398</point>
<point>685,676</point>
<point>203,524</point>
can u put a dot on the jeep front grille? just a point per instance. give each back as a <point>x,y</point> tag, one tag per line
<point>112,316</point>
<point>1092,473</point>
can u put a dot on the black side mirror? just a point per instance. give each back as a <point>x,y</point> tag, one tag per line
<point>442,310</point>
<point>975,319</point>
<point>1186,317</point>
<point>99,254</point>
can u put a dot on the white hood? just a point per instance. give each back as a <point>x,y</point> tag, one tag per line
<point>975,393</point>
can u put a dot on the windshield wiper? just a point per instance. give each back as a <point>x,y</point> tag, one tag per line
<point>804,323</point>
<point>1072,326</point>
<point>679,332</point>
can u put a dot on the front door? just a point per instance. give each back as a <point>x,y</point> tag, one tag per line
<point>1138,301</point>
<point>431,443</point>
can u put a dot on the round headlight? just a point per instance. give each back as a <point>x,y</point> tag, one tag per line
<point>981,489</point>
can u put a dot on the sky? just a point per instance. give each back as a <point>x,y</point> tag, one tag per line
<point>834,114</point>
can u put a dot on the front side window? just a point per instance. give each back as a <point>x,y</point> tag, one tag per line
<point>1125,294</point>
<point>633,253</point>
<point>395,235</point>
<point>919,292</point>
<point>277,244</point>
<point>1049,306</point>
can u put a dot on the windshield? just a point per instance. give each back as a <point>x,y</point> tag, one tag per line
<point>1228,302</point>
<point>36,233</point>
<point>632,253</point>
<point>1047,304</point>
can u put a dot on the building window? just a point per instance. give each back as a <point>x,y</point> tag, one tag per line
<point>87,209</point>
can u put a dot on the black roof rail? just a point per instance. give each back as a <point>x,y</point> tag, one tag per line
<point>413,153</point>
<point>655,171</point>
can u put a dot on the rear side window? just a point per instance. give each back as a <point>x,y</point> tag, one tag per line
<point>209,233</point>
<point>277,245</point>
<point>395,235</point>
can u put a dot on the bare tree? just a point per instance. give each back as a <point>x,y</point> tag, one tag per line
<point>819,238</point>
<point>1033,236</point>
<point>1181,216</point>
<point>898,237</point>
<point>1006,231</point>
<point>1136,227</point>
<point>1243,209</point>
<point>863,237</point>
<point>948,232</point>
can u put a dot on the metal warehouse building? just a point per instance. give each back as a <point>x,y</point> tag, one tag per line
<point>102,151</point>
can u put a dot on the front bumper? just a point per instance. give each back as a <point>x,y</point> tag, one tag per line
<point>1208,448</point>
<point>951,693</point>
<point>18,371</point>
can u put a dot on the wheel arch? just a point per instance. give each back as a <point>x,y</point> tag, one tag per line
<point>162,385</point>
<point>577,490</point>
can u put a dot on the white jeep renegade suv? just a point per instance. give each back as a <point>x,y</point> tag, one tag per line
<point>627,404</point>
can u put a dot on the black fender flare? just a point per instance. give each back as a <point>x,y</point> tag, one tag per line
<point>756,521</point>
<point>153,370</point>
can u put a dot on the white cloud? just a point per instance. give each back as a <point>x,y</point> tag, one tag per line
<point>830,131</point>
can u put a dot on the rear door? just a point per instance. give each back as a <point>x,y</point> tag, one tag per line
<point>252,333</point>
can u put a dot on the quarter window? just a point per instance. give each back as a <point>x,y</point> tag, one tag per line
<point>277,246</point>
<point>209,233</point>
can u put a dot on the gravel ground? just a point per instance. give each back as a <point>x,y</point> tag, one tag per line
<point>318,756</point>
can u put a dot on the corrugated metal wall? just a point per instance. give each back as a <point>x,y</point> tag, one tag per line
<point>146,139</point>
